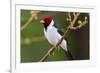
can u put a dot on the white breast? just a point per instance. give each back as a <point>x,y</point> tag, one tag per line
<point>53,37</point>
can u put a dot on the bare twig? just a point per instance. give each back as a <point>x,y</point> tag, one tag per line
<point>81,24</point>
<point>33,16</point>
<point>72,22</point>
<point>71,25</point>
<point>26,24</point>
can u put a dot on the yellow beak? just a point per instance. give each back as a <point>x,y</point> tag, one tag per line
<point>42,21</point>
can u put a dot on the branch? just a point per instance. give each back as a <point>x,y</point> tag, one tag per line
<point>26,24</point>
<point>50,51</point>
<point>81,23</point>
<point>33,16</point>
<point>72,23</point>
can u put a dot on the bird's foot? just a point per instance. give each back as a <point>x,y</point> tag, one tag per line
<point>51,54</point>
<point>58,48</point>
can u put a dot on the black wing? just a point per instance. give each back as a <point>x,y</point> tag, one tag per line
<point>68,52</point>
<point>59,30</point>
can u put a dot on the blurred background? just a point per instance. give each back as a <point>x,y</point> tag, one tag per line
<point>34,44</point>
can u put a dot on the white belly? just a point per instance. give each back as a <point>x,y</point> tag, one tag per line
<point>53,37</point>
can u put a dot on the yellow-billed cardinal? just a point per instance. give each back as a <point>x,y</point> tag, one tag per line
<point>53,34</point>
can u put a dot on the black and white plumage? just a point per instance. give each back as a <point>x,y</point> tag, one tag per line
<point>53,34</point>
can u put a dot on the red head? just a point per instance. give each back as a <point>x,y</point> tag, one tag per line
<point>46,21</point>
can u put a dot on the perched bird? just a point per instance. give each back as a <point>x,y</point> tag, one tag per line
<point>53,34</point>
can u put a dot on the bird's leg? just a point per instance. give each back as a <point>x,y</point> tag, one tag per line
<point>51,53</point>
<point>58,48</point>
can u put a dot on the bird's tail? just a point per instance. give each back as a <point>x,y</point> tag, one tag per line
<point>68,53</point>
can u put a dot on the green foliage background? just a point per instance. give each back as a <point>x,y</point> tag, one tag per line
<point>34,45</point>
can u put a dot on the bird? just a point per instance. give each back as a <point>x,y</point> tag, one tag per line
<point>53,34</point>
